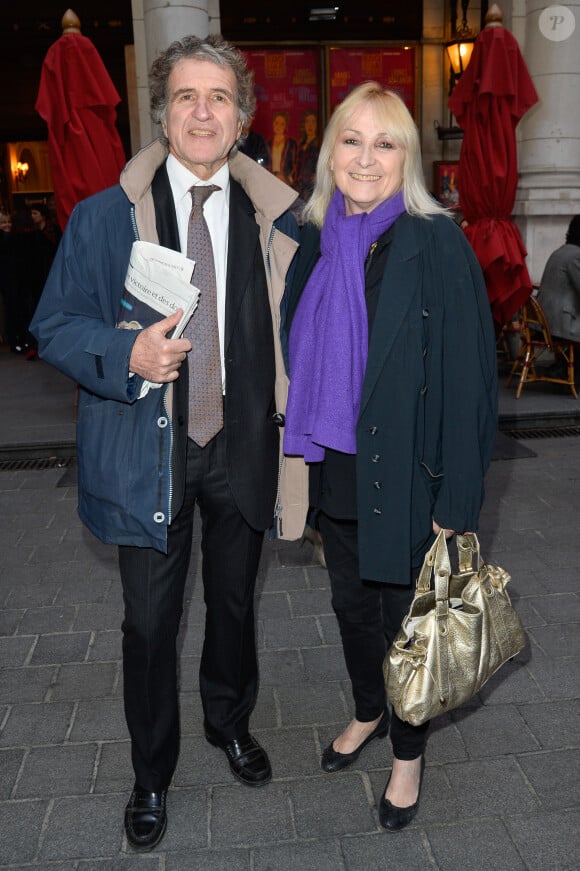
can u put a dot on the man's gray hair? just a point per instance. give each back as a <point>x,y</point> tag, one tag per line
<point>214,49</point>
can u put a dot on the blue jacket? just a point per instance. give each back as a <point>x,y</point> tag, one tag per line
<point>124,445</point>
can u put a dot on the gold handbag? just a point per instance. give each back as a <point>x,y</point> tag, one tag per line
<point>454,637</point>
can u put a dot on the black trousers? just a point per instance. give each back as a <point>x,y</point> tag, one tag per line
<point>153,589</point>
<point>369,616</point>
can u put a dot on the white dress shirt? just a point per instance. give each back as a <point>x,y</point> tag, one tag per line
<point>217,213</point>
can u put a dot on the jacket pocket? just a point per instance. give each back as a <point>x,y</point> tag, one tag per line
<point>104,442</point>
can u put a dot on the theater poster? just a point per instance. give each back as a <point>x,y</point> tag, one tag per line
<point>291,85</point>
<point>287,83</point>
<point>393,68</point>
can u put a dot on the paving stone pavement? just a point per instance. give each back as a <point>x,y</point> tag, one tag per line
<point>502,781</point>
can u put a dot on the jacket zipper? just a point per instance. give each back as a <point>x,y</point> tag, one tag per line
<point>277,524</point>
<point>134,223</point>
<point>170,488</point>
<point>269,245</point>
<point>277,521</point>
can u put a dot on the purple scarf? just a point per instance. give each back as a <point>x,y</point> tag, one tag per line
<point>328,342</point>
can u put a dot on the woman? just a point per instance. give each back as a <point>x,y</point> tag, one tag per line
<point>307,154</point>
<point>282,149</point>
<point>392,398</point>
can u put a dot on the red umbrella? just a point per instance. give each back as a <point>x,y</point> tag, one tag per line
<point>77,99</point>
<point>494,92</point>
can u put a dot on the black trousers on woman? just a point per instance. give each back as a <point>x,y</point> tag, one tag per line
<point>369,616</point>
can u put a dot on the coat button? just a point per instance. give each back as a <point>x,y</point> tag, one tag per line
<point>162,422</point>
<point>373,430</point>
<point>278,418</point>
<point>377,485</point>
<point>425,313</point>
<point>159,517</point>
<point>377,511</point>
<point>375,458</point>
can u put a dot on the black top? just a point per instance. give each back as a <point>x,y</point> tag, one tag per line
<point>332,482</point>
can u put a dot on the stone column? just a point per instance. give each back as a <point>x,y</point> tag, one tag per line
<point>432,88</point>
<point>156,23</point>
<point>549,153</point>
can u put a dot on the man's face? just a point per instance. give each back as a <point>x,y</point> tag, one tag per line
<point>202,120</point>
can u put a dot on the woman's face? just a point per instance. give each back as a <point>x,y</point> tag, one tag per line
<point>367,165</point>
<point>310,126</point>
<point>279,124</point>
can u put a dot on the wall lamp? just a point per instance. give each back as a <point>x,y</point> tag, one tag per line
<point>460,47</point>
<point>22,170</point>
<point>459,50</point>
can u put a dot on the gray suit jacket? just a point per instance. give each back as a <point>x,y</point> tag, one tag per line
<point>559,293</point>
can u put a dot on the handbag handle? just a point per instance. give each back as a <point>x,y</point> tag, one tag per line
<point>437,558</point>
<point>467,549</point>
<point>436,562</point>
<point>439,564</point>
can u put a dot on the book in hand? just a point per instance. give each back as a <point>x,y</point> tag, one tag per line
<point>158,282</point>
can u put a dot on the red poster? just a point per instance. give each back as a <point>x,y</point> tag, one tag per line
<point>285,81</point>
<point>393,68</point>
<point>286,129</point>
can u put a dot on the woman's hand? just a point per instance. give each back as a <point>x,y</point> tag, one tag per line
<point>437,529</point>
<point>448,532</point>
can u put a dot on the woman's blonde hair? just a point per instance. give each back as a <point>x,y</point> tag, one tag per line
<point>399,126</point>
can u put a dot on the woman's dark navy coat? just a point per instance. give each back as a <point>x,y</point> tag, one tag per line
<point>428,413</point>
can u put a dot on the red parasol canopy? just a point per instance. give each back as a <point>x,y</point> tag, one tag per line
<point>77,100</point>
<point>494,92</point>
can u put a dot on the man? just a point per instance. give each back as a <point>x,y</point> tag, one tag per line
<point>559,293</point>
<point>143,464</point>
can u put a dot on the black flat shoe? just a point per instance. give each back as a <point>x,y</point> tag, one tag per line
<point>145,818</point>
<point>332,760</point>
<point>247,760</point>
<point>393,818</point>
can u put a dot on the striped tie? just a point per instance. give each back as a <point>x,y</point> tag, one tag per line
<point>206,413</point>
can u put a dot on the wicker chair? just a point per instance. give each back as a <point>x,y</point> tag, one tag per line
<point>535,340</point>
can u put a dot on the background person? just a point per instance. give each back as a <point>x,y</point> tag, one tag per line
<point>143,465</point>
<point>29,247</point>
<point>40,250</point>
<point>392,398</point>
<point>282,149</point>
<point>559,293</point>
<point>15,321</point>
<point>254,145</point>
<point>307,154</point>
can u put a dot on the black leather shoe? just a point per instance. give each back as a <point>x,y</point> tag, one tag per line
<point>332,760</point>
<point>393,818</point>
<point>247,760</point>
<point>145,818</point>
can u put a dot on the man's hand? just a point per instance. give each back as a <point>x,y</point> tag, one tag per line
<point>155,357</point>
